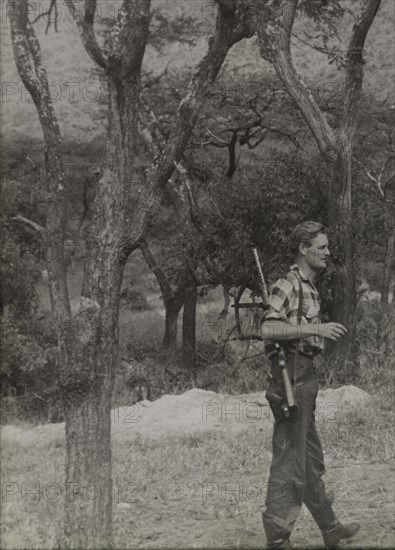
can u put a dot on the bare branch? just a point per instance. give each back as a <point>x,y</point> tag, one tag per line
<point>220,142</point>
<point>354,64</point>
<point>29,223</point>
<point>332,54</point>
<point>230,28</point>
<point>149,82</point>
<point>27,56</point>
<point>275,24</point>
<point>156,269</point>
<point>376,180</point>
<point>53,7</point>
<point>192,207</point>
<point>88,37</point>
<point>268,127</point>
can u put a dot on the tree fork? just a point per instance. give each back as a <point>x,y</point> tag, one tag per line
<point>88,341</point>
<point>275,25</point>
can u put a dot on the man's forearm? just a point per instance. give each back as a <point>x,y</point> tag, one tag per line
<point>280,330</point>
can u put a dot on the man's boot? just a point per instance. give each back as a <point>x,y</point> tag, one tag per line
<point>287,545</point>
<point>333,536</point>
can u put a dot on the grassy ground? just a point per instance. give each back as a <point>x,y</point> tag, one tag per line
<point>202,490</point>
<point>206,490</point>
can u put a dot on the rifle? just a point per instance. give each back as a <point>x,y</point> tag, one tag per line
<point>290,409</point>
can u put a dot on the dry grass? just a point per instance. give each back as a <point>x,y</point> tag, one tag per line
<point>201,490</point>
<point>206,490</point>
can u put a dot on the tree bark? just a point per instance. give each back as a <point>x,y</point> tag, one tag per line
<point>343,308</point>
<point>172,308</point>
<point>189,327</point>
<point>389,258</point>
<point>127,198</point>
<point>230,28</point>
<point>172,294</point>
<point>87,381</point>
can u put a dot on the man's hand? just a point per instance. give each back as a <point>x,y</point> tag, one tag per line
<point>330,331</point>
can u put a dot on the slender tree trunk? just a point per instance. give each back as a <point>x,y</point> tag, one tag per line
<point>172,308</point>
<point>87,380</point>
<point>388,271</point>
<point>388,328</point>
<point>237,299</point>
<point>172,294</point>
<point>389,339</point>
<point>189,327</point>
<point>341,245</point>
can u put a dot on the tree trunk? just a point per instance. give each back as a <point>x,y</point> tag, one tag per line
<point>237,299</point>
<point>88,341</point>
<point>126,200</point>
<point>388,271</point>
<point>172,307</point>
<point>389,337</point>
<point>172,294</point>
<point>341,245</point>
<point>189,328</point>
<point>87,377</point>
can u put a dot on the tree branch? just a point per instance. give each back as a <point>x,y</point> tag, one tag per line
<point>355,63</point>
<point>53,6</point>
<point>275,24</point>
<point>149,82</point>
<point>87,33</point>
<point>27,56</point>
<point>156,270</point>
<point>230,28</point>
<point>29,223</point>
<point>376,180</point>
<point>331,53</point>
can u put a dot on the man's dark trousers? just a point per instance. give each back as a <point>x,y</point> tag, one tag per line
<point>297,468</point>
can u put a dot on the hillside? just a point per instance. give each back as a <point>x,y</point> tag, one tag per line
<point>76,87</point>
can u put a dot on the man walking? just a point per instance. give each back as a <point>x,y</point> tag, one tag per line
<point>298,464</point>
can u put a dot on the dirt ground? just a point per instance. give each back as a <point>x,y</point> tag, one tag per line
<point>368,498</point>
<point>192,470</point>
<point>226,513</point>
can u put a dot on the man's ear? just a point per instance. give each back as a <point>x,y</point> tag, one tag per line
<point>302,249</point>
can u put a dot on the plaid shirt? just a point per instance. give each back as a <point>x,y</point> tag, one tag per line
<point>284,304</point>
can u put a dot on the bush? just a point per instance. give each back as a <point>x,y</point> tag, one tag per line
<point>134,298</point>
<point>29,385</point>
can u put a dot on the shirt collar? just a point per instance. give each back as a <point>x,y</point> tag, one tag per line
<point>304,277</point>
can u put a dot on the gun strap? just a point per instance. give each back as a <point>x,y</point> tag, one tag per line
<point>300,310</point>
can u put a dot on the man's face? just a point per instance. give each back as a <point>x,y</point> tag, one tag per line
<point>317,254</point>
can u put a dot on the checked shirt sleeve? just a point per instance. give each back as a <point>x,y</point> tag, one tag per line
<point>280,301</point>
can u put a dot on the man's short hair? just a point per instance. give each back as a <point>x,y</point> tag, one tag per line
<point>304,233</point>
